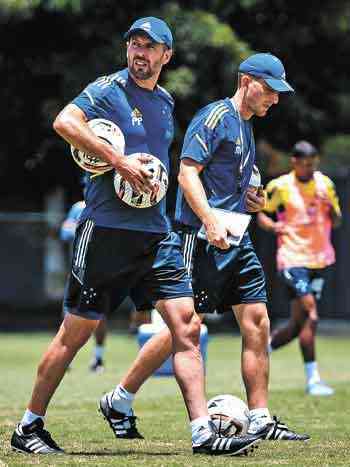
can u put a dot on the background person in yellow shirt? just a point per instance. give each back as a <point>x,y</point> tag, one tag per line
<point>302,208</point>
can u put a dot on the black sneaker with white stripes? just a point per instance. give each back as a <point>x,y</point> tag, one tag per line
<point>278,431</point>
<point>233,446</point>
<point>33,439</point>
<point>123,426</point>
<point>218,445</point>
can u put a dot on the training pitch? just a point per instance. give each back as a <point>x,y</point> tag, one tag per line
<point>78,428</point>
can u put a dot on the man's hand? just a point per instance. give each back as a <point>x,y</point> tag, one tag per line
<point>217,233</point>
<point>255,199</point>
<point>134,170</point>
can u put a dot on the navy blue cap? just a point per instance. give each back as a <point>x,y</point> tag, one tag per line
<point>269,68</point>
<point>155,28</point>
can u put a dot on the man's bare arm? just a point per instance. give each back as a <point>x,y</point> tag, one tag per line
<point>195,195</point>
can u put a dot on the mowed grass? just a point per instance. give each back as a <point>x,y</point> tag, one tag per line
<point>76,425</point>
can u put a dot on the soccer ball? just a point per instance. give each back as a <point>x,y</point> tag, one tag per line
<point>229,414</point>
<point>107,131</point>
<point>144,200</point>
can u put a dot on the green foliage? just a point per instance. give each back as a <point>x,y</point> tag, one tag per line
<point>74,5</point>
<point>22,6</point>
<point>181,82</point>
<point>336,152</point>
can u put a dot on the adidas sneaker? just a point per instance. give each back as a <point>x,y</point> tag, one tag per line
<point>33,439</point>
<point>123,426</point>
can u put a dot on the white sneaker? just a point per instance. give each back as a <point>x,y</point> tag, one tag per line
<point>319,389</point>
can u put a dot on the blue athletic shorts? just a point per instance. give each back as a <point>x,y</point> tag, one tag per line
<point>220,278</point>
<point>303,281</point>
<point>126,263</point>
<point>223,278</point>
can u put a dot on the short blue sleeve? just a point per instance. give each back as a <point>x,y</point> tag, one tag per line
<point>95,101</point>
<point>202,138</point>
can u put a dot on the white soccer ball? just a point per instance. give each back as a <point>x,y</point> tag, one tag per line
<point>229,414</point>
<point>109,132</point>
<point>144,200</point>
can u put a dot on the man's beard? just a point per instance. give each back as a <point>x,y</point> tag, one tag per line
<point>141,73</point>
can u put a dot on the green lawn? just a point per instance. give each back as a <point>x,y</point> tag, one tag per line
<point>77,426</point>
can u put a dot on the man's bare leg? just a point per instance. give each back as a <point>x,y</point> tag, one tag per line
<point>307,335</point>
<point>254,324</point>
<point>100,334</point>
<point>72,335</point>
<point>151,356</point>
<point>184,325</point>
<point>285,334</point>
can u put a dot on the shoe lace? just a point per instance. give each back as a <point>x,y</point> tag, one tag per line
<point>279,423</point>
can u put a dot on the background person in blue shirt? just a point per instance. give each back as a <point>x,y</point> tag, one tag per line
<point>215,172</point>
<point>128,249</point>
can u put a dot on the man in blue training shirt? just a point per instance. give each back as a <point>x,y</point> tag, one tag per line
<point>216,169</point>
<point>129,249</point>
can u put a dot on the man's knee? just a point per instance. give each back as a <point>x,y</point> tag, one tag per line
<point>255,320</point>
<point>310,312</point>
<point>312,320</point>
<point>194,327</point>
<point>75,330</point>
<point>188,331</point>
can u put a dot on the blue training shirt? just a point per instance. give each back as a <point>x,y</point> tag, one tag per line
<point>220,140</point>
<point>146,120</point>
<point>69,225</point>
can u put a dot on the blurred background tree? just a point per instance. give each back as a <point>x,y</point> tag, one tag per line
<point>52,48</point>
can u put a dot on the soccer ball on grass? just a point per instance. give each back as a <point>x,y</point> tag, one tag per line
<point>229,414</point>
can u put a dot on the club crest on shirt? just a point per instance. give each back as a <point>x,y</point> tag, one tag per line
<point>136,117</point>
<point>238,146</point>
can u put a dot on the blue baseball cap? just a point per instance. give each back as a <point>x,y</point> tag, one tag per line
<point>269,68</point>
<point>155,28</point>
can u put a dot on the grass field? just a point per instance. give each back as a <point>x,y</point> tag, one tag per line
<point>76,425</point>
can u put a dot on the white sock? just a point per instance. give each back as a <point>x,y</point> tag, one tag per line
<point>99,352</point>
<point>312,374</point>
<point>200,430</point>
<point>29,417</point>
<point>121,400</point>
<point>258,418</point>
